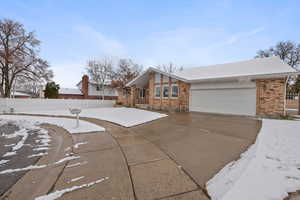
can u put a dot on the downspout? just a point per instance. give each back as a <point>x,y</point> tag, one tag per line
<point>285,90</point>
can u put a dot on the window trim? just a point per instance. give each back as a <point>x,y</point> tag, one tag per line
<point>172,91</point>
<point>163,87</point>
<point>143,92</point>
<point>124,94</point>
<point>157,76</point>
<point>165,79</point>
<point>157,86</point>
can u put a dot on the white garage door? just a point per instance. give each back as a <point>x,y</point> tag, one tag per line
<point>240,101</point>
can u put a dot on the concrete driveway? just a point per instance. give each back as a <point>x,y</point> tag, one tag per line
<point>168,159</point>
<point>201,144</point>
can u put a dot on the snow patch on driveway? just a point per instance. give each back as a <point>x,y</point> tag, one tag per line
<point>127,117</point>
<point>269,169</point>
<point>68,124</point>
<point>8,171</point>
<point>59,193</point>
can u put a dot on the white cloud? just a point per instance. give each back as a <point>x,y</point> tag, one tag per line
<point>97,41</point>
<point>81,44</point>
<point>192,46</point>
<point>234,38</point>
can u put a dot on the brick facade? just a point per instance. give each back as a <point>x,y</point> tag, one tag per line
<point>270,96</point>
<point>123,94</point>
<point>180,103</point>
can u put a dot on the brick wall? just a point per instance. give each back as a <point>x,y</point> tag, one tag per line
<point>180,103</point>
<point>123,96</point>
<point>270,96</point>
<point>70,96</point>
<point>85,86</point>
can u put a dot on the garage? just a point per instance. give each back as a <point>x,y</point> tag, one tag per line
<point>239,101</point>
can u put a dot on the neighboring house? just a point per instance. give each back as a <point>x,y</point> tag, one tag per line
<point>20,95</point>
<point>88,90</point>
<point>70,93</point>
<point>253,87</point>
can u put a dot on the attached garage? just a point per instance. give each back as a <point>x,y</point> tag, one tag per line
<point>231,97</point>
<point>240,101</point>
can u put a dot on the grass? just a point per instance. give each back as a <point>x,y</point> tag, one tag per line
<point>287,117</point>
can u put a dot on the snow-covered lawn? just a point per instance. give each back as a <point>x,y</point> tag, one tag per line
<point>68,124</point>
<point>268,170</point>
<point>124,116</point>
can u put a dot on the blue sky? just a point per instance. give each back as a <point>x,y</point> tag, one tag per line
<point>186,32</point>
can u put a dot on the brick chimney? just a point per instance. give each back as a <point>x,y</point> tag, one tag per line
<point>85,86</point>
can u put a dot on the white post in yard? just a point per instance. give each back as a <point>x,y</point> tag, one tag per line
<point>76,111</point>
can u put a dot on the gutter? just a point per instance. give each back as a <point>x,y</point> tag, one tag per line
<point>261,76</point>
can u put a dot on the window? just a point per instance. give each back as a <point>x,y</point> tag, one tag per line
<point>165,79</point>
<point>157,78</point>
<point>173,80</point>
<point>142,92</point>
<point>157,91</point>
<point>125,93</point>
<point>166,91</point>
<point>98,88</point>
<point>174,90</point>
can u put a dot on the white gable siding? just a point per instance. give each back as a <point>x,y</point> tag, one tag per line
<point>107,91</point>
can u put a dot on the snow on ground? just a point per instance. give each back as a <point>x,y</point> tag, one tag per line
<point>76,146</point>
<point>57,194</point>
<point>10,153</point>
<point>76,179</point>
<point>41,149</point>
<point>66,159</point>
<point>68,124</point>
<point>77,164</point>
<point>25,129</point>
<point>8,171</point>
<point>2,162</point>
<point>268,170</point>
<point>37,155</point>
<point>124,116</point>
<point>9,145</point>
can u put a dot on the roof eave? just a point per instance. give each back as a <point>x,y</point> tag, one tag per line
<point>155,70</point>
<point>252,77</point>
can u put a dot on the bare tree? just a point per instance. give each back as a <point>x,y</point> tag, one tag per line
<point>19,56</point>
<point>287,51</point>
<point>125,72</point>
<point>100,72</point>
<point>33,87</point>
<point>169,68</point>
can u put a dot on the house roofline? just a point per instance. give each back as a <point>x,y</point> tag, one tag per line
<point>258,76</point>
<point>155,70</point>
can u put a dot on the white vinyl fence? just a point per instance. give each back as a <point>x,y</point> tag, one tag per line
<point>21,105</point>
